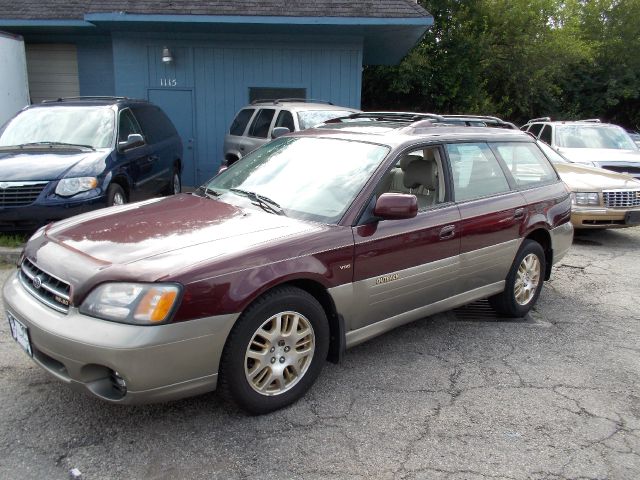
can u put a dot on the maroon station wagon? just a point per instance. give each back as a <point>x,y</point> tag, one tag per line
<point>313,243</point>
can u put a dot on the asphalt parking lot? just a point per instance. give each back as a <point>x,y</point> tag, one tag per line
<point>455,396</point>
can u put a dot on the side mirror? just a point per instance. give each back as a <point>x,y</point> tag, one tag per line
<point>396,206</point>
<point>279,131</point>
<point>134,140</point>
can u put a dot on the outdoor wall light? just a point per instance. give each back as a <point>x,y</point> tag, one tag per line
<point>166,55</point>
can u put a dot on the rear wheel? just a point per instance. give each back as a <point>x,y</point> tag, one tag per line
<point>275,351</point>
<point>116,195</point>
<point>523,283</point>
<point>176,185</point>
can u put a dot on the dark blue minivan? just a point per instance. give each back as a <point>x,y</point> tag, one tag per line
<point>68,156</point>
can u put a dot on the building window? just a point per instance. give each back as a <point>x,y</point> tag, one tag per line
<point>273,93</point>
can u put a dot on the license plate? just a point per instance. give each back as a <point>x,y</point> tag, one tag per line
<point>20,333</point>
<point>632,218</point>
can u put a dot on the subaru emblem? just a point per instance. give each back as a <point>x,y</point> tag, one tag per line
<point>37,283</point>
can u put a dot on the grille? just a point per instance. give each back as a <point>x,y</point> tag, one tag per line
<point>50,290</point>
<point>621,198</point>
<point>19,194</point>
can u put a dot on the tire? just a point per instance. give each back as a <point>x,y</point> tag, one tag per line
<point>275,351</point>
<point>523,283</point>
<point>176,184</point>
<point>116,195</point>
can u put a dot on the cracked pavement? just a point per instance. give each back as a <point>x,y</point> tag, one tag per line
<point>454,396</point>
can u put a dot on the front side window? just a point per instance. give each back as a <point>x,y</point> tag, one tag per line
<point>311,118</point>
<point>261,123</point>
<point>240,122</point>
<point>476,171</point>
<point>545,135</point>
<point>526,163</point>
<point>309,178</point>
<point>285,119</point>
<point>593,136</point>
<point>90,126</point>
<point>127,125</point>
<point>535,129</point>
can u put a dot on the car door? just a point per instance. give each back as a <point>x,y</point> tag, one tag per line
<point>402,266</point>
<point>492,213</point>
<point>162,141</point>
<point>135,163</point>
<point>259,129</point>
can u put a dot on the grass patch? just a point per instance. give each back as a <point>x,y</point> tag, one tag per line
<point>12,240</point>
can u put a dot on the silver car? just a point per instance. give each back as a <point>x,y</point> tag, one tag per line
<point>254,125</point>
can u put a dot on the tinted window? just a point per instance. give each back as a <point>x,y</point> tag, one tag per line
<point>476,171</point>
<point>260,126</point>
<point>545,136</point>
<point>155,124</point>
<point>527,163</point>
<point>285,119</point>
<point>535,128</point>
<point>127,125</point>
<point>240,122</point>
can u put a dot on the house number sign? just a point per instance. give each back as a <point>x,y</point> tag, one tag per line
<point>168,82</point>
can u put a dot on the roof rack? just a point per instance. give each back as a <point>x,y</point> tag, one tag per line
<point>484,118</point>
<point>88,97</point>
<point>591,120</point>
<point>541,119</point>
<point>408,117</point>
<point>281,100</point>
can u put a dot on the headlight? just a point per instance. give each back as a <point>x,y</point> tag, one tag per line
<point>135,303</point>
<point>585,198</point>
<point>70,186</point>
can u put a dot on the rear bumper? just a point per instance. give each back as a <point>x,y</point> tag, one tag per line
<point>561,240</point>
<point>601,217</point>
<point>157,363</point>
<point>30,217</point>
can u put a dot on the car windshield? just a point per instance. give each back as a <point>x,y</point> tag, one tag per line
<point>593,136</point>
<point>89,126</point>
<point>551,154</point>
<point>311,118</point>
<point>306,178</point>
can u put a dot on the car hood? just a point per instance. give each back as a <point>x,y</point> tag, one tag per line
<point>600,155</point>
<point>37,164</point>
<point>593,179</point>
<point>156,239</point>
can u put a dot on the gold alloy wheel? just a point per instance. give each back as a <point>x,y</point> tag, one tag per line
<point>279,353</point>
<point>527,279</point>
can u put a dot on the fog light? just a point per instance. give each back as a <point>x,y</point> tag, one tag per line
<point>118,383</point>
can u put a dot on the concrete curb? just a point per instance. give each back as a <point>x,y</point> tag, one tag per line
<point>10,255</point>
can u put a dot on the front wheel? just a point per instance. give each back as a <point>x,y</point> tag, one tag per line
<point>275,351</point>
<point>116,195</point>
<point>523,283</point>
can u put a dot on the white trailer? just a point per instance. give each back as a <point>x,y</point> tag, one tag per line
<point>14,88</point>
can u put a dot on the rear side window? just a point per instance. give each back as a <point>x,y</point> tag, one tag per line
<point>156,126</point>
<point>240,122</point>
<point>545,136</point>
<point>527,163</point>
<point>535,129</point>
<point>476,171</point>
<point>260,126</point>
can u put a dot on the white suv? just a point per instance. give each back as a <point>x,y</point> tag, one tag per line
<point>253,125</point>
<point>589,142</point>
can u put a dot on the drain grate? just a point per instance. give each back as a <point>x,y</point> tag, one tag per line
<point>481,311</point>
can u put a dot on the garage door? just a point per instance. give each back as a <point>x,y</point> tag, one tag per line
<point>53,71</point>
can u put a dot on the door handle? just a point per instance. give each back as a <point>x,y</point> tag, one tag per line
<point>447,232</point>
<point>153,158</point>
<point>519,213</point>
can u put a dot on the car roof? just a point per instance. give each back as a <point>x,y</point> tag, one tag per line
<point>89,101</point>
<point>592,122</point>
<point>395,134</point>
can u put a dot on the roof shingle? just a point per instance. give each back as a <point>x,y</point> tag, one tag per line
<point>76,9</point>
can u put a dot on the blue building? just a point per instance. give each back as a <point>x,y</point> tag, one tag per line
<point>203,61</point>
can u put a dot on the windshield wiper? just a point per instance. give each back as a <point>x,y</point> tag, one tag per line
<point>260,200</point>
<point>210,193</point>
<point>53,144</point>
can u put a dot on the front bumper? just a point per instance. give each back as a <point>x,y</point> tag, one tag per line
<point>561,240</point>
<point>158,363</point>
<point>41,212</point>
<point>602,217</point>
